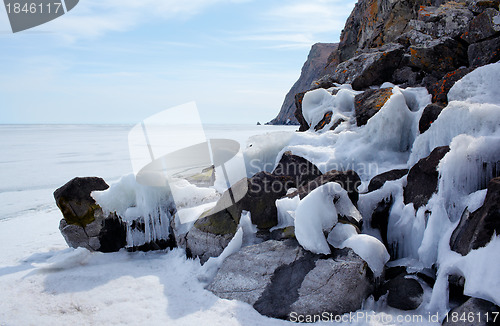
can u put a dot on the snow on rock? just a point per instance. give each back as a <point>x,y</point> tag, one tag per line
<point>479,86</point>
<point>286,211</point>
<point>318,213</point>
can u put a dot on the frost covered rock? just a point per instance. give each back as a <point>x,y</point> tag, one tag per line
<point>477,228</point>
<point>84,224</point>
<point>379,180</point>
<point>438,56</point>
<point>279,277</point>
<point>348,180</point>
<point>473,307</point>
<point>298,168</point>
<point>369,68</point>
<point>423,178</point>
<point>440,89</point>
<point>485,52</point>
<point>479,86</point>
<point>484,26</point>
<point>367,104</point>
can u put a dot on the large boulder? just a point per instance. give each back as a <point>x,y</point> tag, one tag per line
<point>84,223</point>
<point>370,68</point>
<point>477,312</point>
<point>476,229</point>
<point>447,20</point>
<point>280,277</point>
<point>368,103</point>
<point>438,56</point>
<point>423,178</point>
<point>313,69</point>
<point>485,52</point>
<point>482,27</point>
<point>298,168</point>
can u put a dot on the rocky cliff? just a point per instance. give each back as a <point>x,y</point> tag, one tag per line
<point>429,43</point>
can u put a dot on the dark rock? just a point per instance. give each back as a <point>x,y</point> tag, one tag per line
<point>380,221</point>
<point>327,118</point>
<point>313,69</point>
<point>476,229</point>
<point>279,277</point>
<point>440,90</point>
<point>475,307</point>
<point>405,293</point>
<point>371,68</point>
<point>439,56</point>
<point>484,52</point>
<point>349,180</point>
<point>378,181</point>
<point>298,112</point>
<point>423,178</point>
<point>75,202</point>
<point>368,103</point>
<point>84,223</point>
<point>430,114</point>
<point>405,76</point>
<point>482,27</point>
<point>478,6</point>
<point>298,168</point>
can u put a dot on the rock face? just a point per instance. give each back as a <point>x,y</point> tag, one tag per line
<point>279,277</point>
<point>84,223</point>
<point>314,68</point>
<point>476,229</point>
<point>423,178</point>
<point>367,104</point>
<point>487,310</point>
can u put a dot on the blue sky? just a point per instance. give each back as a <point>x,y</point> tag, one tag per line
<point>120,61</point>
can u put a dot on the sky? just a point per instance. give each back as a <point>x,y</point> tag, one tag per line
<point>121,61</point>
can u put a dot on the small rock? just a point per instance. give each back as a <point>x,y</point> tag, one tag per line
<point>327,118</point>
<point>368,103</point>
<point>430,114</point>
<point>378,181</point>
<point>476,229</point>
<point>423,178</point>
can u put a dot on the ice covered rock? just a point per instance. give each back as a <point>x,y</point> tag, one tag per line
<point>438,56</point>
<point>479,86</point>
<point>84,223</point>
<point>349,180</point>
<point>484,26</point>
<point>440,89</point>
<point>298,168</point>
<point>371,68</point>
<point>367,104</point>
<point>480,312</point>
<point>485,52</point>
<point>477,228</point>
<point>379,180</point>
<point>423,178</point>
<point>279,277</point>
<point>430,114</point>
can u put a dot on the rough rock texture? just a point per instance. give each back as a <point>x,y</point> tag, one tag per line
<point>84,223</point>
<point>476,229</point>
<point>482,27</point>
<point>279,277</point>
<point>349,180</point>
<point>438,56</point>
<point>478,6</point>
<point>367,104</point>
<point>484,52</point>
<point>371,68</point>
<point>379,180</point>
<point>474,306</point>
<point>450,19</point>
<point>298,168</point>
<point>439,91</point>
<point>313,69</point>
<point>405,292</point>
<point>423,178</point>
<point>430,114</point>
